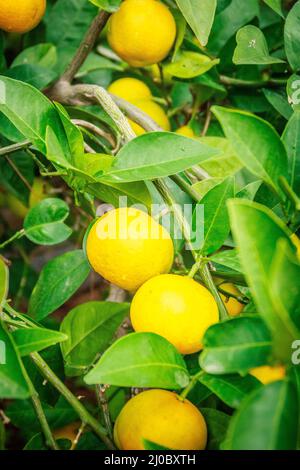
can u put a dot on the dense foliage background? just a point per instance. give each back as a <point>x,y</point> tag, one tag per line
<point>232,78</point>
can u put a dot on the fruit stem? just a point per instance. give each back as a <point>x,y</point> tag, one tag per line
<point>82,412</point>
<point>191,385</point>
<point>16,236</point>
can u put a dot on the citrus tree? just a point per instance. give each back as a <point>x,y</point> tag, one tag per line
<point>150,203</point>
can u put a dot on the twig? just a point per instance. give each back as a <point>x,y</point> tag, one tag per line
<point>103,404</point>
<point>14,147</point>
<point>95,130</point>
<point>17,171</point>
<point>82,412</point>
<point>207,122</point>
<point>88,148</point>
<point>229,81</point>
<point>86,46</point>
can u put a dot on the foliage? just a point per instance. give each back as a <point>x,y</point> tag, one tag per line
<point>233,79</point>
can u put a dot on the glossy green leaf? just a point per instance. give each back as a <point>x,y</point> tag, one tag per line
<point>216,219</point>
<point>41,54</point>
<point>140,360</point>
<point>44,223</point>
<point>228,258</point>
<point>12,381</point>
<point>30,111</point>
<point>291,140</point>
<point>149,445</point>
<point>231,389</point>
<point>107,5</point>
<point>226,163</point>
<point>35,75</point>
<point>199,14</point>
<point>229,20</point>
<point>257,243</point>
<point>236,346</point>
<point>284,290</point>
<point>155,155</point>
<point>279,102</point>
<point>252,48</point>
<point>90,328</point>
<point>266,420</point>
<point>256,143</point>
<point>36,339</point>
<point>292,37</point>
<point>275,5</point>
<point>189,64</point>
<point>58,281</point>
<point>217,424</point>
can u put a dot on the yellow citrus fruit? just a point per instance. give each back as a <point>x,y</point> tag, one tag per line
<point>69,432</point>
<point>233,306</point>
<point>175,307</point>
<point>296,242</point>
<point>161,417</point>
<point>127,247</point>
<point>142,32</point>
<point>267,374</point>
<point>153,110</point>
<point>187,131</point>
<point>20,16</point>
<point>130,89</point>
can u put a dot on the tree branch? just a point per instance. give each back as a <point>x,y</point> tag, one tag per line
<point>86,46</point>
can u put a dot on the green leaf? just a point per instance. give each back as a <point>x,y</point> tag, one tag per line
<point>292,37</point>
<point>44,223</point>
<point>229,20</point>
<point>189,64</point>
<point>140,360</point>
<point>11,181</point>
<point>107,5</point>
<point>12,381</point>
<point>283,288</point>
<point>67,35</point>
<point>34,75</point>
<point>252,48</point>
<point>217,424</point>
<point>4,282</point>
<point>216,219</point>
<point>275,5</point>
<point>30,112</point>
<point>22,414</point>
<point>228,258</point>
<point>149,445</point>
<point>257,243</point>
<point>199,14</point>
<point>231,389</point>
<point>58,281</point>
<point>36,339</point>
<point>279,102</point>
<point>226,163</point>
<point>90,328</point>
<point>291,140</point>
<point>266,420</point>
<point>155,155</point>
<point>41,54</point>
<point>256,143</point>
<point>236,346</point>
